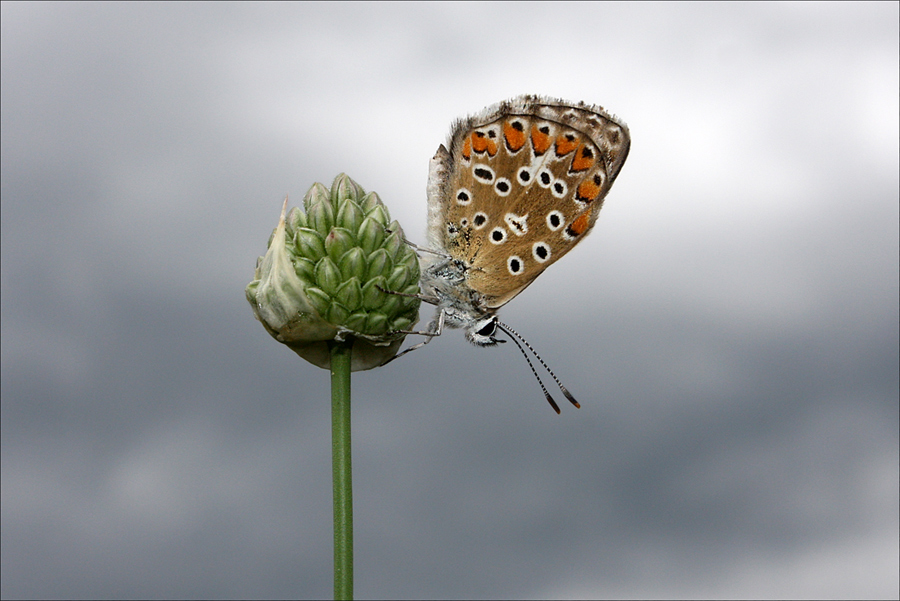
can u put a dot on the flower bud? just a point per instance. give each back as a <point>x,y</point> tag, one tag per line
<point>321,216</point>
<point>371,235</point>
<point>337,242</point>
<point>309,243</point>
<point>379,263</point>
<point>324,273</point>
<point>350,215</point>
<point>353,264</point>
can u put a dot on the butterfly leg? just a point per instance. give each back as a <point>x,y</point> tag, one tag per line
<point>426,250</point>
<point>435,328</point>
<point>418,248</point>
<point>431,300</point>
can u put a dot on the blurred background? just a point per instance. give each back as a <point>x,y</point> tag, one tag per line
<point>730,327</point>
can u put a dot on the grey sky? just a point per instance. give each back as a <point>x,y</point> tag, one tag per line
<point>730,326</point>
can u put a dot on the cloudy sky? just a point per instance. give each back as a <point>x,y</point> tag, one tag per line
<point>730,327</point>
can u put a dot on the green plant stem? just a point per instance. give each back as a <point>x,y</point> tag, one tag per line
<point>342,478</point>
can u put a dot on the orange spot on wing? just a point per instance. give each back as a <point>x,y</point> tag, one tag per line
<point>587,191</point>
<point>565,144</point>
<point>467,149</point>
<point>580,225</point>
<point>584,159</point>
<point>515,138</point>
<point>540,140</point>
<point>481,143</point>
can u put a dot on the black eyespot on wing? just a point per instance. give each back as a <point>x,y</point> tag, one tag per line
<point>514,264</point>
<point>524,175</point>
<point>559,188</point>
<point>554,220</point>
<point>482,174</point>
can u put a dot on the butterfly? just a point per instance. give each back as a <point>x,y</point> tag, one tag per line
<point>517,186</point>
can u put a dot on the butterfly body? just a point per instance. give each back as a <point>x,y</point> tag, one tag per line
<point>516,188</point>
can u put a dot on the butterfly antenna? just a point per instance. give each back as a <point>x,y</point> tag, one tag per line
<point>534,371</point>
<point>513,334</point>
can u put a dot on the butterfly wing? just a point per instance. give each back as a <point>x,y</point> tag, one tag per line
<point>522,183</point>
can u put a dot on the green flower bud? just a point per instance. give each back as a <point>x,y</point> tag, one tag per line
<point>338,313</point>
<point>357,321</point>
<point>394,243</point>
<point>323,275</point>
<point>350,215</point>
<point>391,305</point>
<point>398,278</point>
<point>369,201</point>
<point>377,322</point>
<point>410,261</point>
<point>410,301</point>
<point>401,323</point>
<point>337,242</point>
<point>379,214</point>
<point>349,294</point>
<point>318,299</point>
<point>309,244</point>
<point>306,269</point>
<point>321,217</point>
<point>372,297</point>
<point>380,264</point>
<point>371,235</point>
<point>353,264</point>
<point>345,188</point>
<point>328,276</point>
<point>296,219</point>
<point>317,193</point>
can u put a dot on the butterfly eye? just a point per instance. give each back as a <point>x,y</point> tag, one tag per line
<point>481,333</point>
<point>488,329</point>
